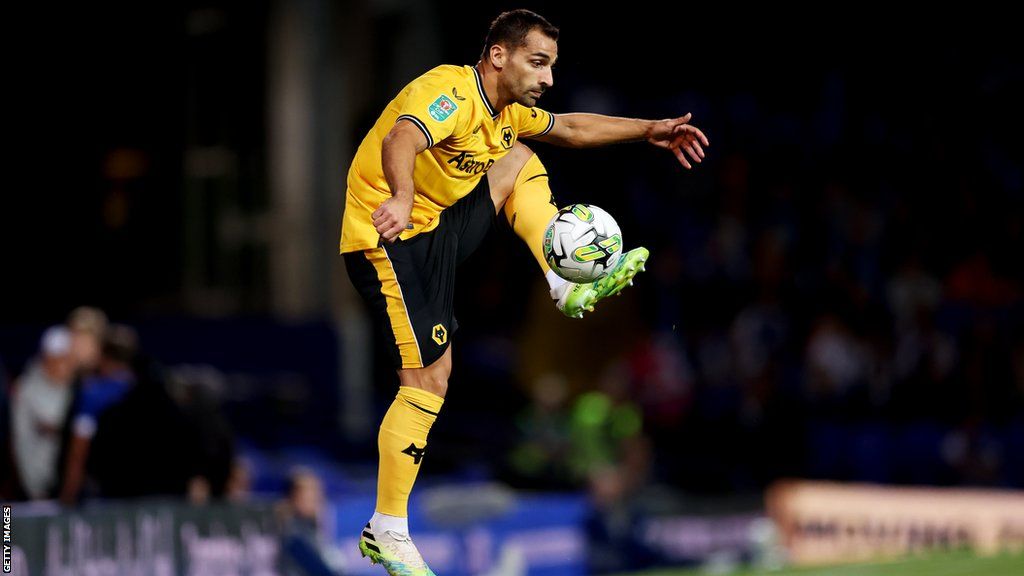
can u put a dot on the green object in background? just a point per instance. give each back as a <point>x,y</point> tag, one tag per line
<point>598,426</point>
<point>954,564</point>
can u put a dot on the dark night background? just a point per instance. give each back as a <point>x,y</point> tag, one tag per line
<point>836,292</point>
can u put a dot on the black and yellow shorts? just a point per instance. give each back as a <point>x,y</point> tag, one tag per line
<point>409,286</point>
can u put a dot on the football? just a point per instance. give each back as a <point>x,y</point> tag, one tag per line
<point>582,242</point>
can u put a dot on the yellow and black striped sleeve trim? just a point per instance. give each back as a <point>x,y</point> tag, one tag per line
<point>423,127</point>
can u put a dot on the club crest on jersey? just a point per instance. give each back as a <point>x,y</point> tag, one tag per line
<point>442,108</point>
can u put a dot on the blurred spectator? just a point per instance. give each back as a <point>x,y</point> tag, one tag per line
<point>540,458</point>
<point>212,449</point>
<point>601,431</point>
<point>197,490</point>
<point>911,292</point>
<point>923,363</point>
<point>611,452</point>
<point>976,282</point>
<point>142,445</point>
<point>305,548</point>
<point>837,363</point>
<point>239,484</point>
<point>40,403</point>
<point>662,380</point>
<point>609,448</point>
<point>165,437</point>
<point>99,391</point>
<point>88,326</point>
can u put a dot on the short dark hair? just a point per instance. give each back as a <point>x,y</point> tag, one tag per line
<point>510,29</point>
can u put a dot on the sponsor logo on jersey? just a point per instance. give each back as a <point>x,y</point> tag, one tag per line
<point>455,92</point>
<point>468,163</point>
<point>442,108</point>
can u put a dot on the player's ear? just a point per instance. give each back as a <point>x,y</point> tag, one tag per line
<point>498,56</point>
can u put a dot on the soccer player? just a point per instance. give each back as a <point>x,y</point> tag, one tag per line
<point>441,161</point>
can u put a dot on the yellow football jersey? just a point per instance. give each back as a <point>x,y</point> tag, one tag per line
<point>465,135</point>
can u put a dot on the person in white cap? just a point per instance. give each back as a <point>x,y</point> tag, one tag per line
<point>38,409</point>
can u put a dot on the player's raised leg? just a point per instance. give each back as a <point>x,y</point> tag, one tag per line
<point>520,187</point>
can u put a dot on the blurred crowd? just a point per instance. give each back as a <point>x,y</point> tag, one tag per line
<point>801,317</point>
<point>91,416</point>
<point>837,292</point>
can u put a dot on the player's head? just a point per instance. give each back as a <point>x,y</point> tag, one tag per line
<point>522,46</point>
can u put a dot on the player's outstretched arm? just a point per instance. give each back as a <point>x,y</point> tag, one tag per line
<point>589,130</point>
<point>398,159</point>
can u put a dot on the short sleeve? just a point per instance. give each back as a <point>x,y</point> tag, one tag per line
<point>431,107</point>
<point>534,122</point>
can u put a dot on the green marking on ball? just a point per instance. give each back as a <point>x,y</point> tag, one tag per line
<point>582,212</point>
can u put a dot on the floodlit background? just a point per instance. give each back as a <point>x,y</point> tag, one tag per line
<point>835,294</point>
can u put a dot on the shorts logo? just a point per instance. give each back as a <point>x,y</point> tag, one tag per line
<point>442,108</point>
<point>507,137</point>
<point>440,335</point>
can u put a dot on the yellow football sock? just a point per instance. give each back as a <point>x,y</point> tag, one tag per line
<point>402,442</point>
<point>531,206</point>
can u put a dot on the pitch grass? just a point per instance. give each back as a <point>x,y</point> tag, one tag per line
<point>958,564</point>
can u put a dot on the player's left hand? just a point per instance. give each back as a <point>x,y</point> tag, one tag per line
<point>677,135</point>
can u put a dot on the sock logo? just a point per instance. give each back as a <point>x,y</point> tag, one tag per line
<point>416,453</point>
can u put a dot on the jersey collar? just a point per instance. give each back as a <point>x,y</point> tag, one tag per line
<point>483,95</point>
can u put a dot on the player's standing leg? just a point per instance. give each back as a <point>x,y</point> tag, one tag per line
<point>410,287</point>
<point>402,442</point>
<point>401,294</point>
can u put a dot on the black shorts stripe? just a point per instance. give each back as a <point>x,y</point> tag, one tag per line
<point>424,268</point>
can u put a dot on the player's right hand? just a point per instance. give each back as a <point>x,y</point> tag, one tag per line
<point>392,218</point>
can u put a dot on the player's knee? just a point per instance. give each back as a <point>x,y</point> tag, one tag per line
<point>433,378</point>
<point>522,151</point>
<point>502,177</point>
<point>517,160</point>
<point>437,386</point>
